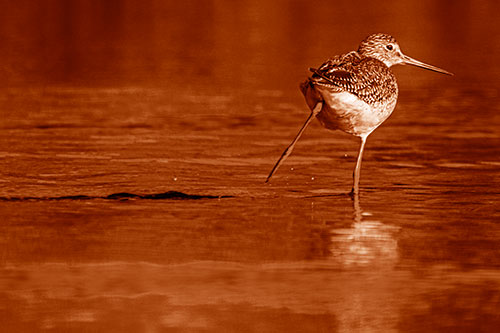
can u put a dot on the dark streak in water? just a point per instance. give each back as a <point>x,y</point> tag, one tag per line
<point>170,195</point>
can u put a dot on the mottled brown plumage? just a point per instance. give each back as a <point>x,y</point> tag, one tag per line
<point>355,92</point>
<point>367,78</point>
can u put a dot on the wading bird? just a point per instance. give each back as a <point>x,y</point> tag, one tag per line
<point>355,92</point>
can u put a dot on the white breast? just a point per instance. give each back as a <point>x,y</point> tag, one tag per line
<point>346,112</point>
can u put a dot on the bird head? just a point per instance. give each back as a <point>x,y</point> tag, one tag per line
<point>385,48</point>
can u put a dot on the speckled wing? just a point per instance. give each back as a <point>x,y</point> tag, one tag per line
<point>367,78</point>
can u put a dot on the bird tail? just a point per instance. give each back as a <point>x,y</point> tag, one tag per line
<point>305,85</point>
<point>311,94</point>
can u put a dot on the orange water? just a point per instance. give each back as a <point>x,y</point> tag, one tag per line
<point>201,98</point>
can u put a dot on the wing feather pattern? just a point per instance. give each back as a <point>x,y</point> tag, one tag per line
<point>367,78</point>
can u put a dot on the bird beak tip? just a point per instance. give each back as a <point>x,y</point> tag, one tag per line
<point>445,72</point>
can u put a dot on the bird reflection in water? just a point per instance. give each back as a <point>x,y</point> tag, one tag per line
<point>368,242</point>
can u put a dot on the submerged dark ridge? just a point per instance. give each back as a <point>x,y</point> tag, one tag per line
<point>170,195</point>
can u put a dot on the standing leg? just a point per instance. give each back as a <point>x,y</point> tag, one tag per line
<point>357,169</point>
<point>289,149</point>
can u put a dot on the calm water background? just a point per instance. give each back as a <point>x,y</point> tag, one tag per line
<point>145,97</point>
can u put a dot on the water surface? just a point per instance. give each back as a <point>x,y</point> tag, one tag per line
<point>102,117</point>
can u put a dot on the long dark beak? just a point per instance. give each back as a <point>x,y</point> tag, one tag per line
<point>410,61</point>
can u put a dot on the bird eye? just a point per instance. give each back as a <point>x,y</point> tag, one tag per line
<point>389,47</point>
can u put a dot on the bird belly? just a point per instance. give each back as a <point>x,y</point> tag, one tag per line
<point>346,112</point>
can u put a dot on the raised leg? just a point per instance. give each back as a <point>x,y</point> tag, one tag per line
<point>289,149</point>
<point>357,169</point>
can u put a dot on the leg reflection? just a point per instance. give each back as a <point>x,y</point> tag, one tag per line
<point>368,242</point>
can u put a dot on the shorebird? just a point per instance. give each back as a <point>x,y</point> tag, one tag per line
<point>355,92</point>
